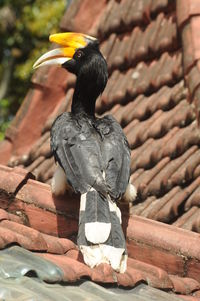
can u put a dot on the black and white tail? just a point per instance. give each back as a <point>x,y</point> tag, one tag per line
<point>100,236</point>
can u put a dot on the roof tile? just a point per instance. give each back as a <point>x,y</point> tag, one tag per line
<point>128,14</point>
<point>193,200</point>
<point>104,272</point>
<point>154,276</point>
<point>188,51</point>
<point>186,11</point>
<point>173,238</point>
<point>184,220</point>
<point>165,71</point>
<point>145,178</point>
<point>170,262</point>
<point>16,177</point>
<point>197,103</point>
<point>193,222</point>
<point>193,80</point>
<point>57,245</point>
<point>193,269</point>
<point>139,208</point>
<point>4,215</point>
<point>24,236</point>
<point>72,270</point>
<point>35,163</point>
<point>153,208</point>
<point>171,209</point>
<point>165,175</point>
<point>22,133</point>
<point>5,151</point>
<point>128,278</point>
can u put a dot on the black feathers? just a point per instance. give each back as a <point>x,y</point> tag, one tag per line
<point>92,152</point>
<point>95,157</point>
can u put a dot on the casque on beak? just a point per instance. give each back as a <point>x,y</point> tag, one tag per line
<point>69,42</point>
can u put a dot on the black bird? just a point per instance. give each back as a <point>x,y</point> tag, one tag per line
<point>92,154</point>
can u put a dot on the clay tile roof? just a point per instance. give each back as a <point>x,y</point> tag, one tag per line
<point>37,232</point>
<point>152,48</point>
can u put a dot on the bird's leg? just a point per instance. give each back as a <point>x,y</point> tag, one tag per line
<point>59,183</point>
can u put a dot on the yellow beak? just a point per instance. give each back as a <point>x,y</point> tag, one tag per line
<point>69,42</point>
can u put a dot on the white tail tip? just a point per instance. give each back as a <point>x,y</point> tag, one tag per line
<point>97,232</point>
<point>95,255</point>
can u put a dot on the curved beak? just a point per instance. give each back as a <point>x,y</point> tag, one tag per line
<point>69,42</point>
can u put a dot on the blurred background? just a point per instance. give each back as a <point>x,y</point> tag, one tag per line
<point>25,26</point>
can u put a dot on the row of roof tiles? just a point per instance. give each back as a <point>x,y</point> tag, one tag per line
<point>177,251</point>
<point>124,51</point>
<point>143,79</point>
<point>120,16</point>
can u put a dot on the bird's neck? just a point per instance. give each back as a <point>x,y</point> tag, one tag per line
<point>84,100</point>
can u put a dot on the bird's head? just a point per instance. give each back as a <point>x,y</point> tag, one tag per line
<point>79,54</point>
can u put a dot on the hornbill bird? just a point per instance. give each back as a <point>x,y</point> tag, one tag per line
<point>92,154</point>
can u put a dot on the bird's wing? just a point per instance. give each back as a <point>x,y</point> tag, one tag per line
<point>116,154</point>
<point>75,146</point>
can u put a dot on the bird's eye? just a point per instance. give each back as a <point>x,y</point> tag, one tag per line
<point>79,54</point>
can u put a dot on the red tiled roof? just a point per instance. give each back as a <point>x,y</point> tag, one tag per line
<point>152,49</point>
<point>160,255</point>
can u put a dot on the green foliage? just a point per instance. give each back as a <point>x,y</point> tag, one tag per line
<point>25,26</point>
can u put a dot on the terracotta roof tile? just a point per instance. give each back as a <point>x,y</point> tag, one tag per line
<point>164,240</point>
<point>45,170</point>
<point>188,17</point>
<point>188,54</point>
<point>186,11</point>
<point>163,71</point>
<point>187,284</point>
<point>72,270</point>
<point>35,151</point>
<point>171,209</point>
<point>197,294</point>
<point>5,151</point>
<point>57,245</point>
<point>122,15</point>
<point>24,236</point>
<point>178,141</point>
<point>192,79</point>
<point>168,238</point>
<point>167,207</point>
<point>136,272</point>
<point>4,215</point>
<point>193,199</point>
<point>35,163</point>
<point>16,178</point>
<point>184,220</point>
<point>197,103</point>
<point>154,276</point>
<point>160,5</point>
<point>190,220</point>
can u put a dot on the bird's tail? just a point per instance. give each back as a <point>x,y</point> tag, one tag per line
<point>100,236</point>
